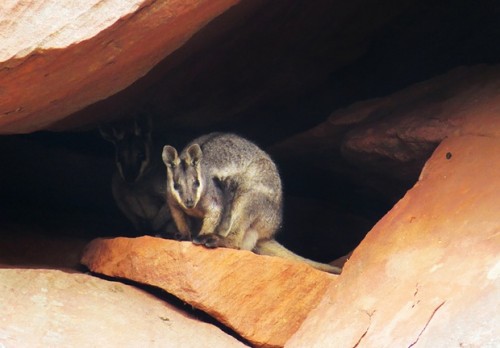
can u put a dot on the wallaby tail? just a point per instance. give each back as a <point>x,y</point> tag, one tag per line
<point>273,248</point>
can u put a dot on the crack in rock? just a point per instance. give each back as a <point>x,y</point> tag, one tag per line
<point>367,328</point>
<point>427,324</point>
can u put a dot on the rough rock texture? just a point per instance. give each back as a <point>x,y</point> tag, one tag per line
<point>428,274</point>
<point>264,299</point>
<point>56,58</point>
<point>48,308</point>
<point>424,275</point>
<point>286,48</point>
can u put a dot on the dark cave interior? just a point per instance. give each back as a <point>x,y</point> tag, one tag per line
<point>274,71</point>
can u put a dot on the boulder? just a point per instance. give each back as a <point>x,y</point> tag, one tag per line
<point>56,58</point>
<point>262,298</point>
<point>428,274</point>
<point>384,142</point>
<point>50,308</point>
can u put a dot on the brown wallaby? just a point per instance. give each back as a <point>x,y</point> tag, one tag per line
<point>139,183</point>
<point>234,188</point>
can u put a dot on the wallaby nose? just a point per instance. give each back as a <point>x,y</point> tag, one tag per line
<point>129,173</point>
<point>189,203</point>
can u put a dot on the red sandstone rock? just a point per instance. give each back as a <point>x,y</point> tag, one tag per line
<point>264,299</point>
<point>48,308</point>
<point>56,58</point>
<point>428,274</point>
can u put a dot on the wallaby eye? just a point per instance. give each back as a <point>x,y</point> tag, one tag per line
<point>196,183</point>
<point>176,186</point>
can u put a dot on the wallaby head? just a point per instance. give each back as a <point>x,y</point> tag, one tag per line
<point>133,147</point>
<point>185,182</point>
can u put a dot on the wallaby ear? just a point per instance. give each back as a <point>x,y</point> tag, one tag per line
<point>169,156</point>
<point>195,154</point>
<point>143,125</point>
<point>107,133</point>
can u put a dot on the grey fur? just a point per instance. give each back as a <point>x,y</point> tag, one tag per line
<point>234,188</point>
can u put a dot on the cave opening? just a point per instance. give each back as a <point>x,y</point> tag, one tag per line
<point>269,77</point>
<point>58,186</point>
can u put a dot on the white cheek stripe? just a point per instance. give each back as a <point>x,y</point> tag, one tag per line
<point>198,193</point>
<point>173,192</point>
<point>201,187</point>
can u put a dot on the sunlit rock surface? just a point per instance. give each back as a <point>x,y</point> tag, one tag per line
<point>428,274</point>
<point>58,57</point>
<point>49,308</point>
<point>264,299</point>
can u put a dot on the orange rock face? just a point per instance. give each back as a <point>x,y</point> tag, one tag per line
<point>49,308</point>
<point>264,299</point>
<point>428,274</point>
<point>52,53</point>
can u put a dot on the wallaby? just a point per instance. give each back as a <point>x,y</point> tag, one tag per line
<point>234,188</point>
<point>139,183</point>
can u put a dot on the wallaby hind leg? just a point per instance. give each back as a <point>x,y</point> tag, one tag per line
<point>244,237</point>
<point>251,208</point>
<point>217,239</point>
<point>250,217</point>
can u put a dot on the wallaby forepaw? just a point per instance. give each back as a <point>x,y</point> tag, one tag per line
<point>208,240</point>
